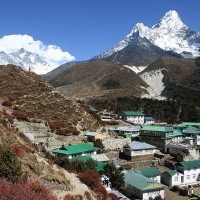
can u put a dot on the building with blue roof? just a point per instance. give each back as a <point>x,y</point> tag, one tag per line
<point>137,148</point>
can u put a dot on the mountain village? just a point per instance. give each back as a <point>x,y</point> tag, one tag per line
<point>153,155</point>
<point>52,131</point>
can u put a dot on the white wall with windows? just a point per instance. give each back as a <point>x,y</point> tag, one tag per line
<point>153,194</point>
<point>136,119</point>
<point>188,177</point>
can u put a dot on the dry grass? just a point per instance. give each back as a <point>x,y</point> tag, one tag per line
<point>88,80</point>
<point>31,93</point>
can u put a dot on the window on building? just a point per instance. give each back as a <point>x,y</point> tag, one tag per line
<point>176,179</point>
<point>194,176</point>
<point>188,177</point>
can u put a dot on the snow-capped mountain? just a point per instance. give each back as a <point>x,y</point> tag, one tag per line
<point>27,60</point>
<point>169,34</point>
<point>31,54</point>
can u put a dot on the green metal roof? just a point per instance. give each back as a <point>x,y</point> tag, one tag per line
<point>148,172</point>
<point>100,165</point>
<point>175,133</point>
<point>141,182</point>
<point>191,130</point>
<point>171,172</point>
<point>189,164</point>
<point>156,128</point>
<point>191,123</point>
<point>75,149</point>
<point>132,113</point>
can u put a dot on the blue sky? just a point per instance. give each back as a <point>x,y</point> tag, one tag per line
<point>86,28</point>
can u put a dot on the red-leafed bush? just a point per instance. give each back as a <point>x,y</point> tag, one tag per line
<point>60,131</point>
<point>17,150</point>
<point>35,147</point>
<point>69,197</point>
<point>7,103</point>
<point>112,196</point>
<point>75,132</point>
<point>8,116</point>
<point>56,125</point>
<point>10,119</point>
<point>103,192</point>
<point>91,179</point>
<point>88,195</point>
<point>32,190</point>
<point>20,115</point>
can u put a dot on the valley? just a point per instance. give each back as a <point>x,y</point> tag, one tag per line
<point>124,124</point>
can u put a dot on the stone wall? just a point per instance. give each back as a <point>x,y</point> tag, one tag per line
<point>115,143</point>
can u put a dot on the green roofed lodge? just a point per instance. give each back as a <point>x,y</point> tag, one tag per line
<point>76,150</point>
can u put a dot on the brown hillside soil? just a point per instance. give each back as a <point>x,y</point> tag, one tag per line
<point>99,79</point>
<point>31,94</point>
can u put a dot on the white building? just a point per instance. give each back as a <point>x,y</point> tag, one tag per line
<point>125,131</point>
<point>194,133</point>
<point>136,148</point>
<point>186,172</point>
<point>76,150</point>
<point>135,117</point>
<point>143,188</point>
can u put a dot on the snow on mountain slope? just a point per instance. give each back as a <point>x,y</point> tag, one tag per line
<point>156,85</point>
<point>136,69</point>
<point>30,54</point>
<point>26,60</point>
<point>170,33</point>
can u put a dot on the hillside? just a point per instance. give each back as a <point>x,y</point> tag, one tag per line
<point>35,98</point>
<point>59,70</point>
<point>98,79</point>
<point>33,165</point>
<point>165,72</point>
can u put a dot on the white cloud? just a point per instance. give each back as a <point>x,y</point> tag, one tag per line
<point>51,53</point>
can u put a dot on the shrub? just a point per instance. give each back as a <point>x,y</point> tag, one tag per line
<point>69,197</point>
<point>20,115</point>
<point>75,132</point>
<point>88,195</point>
<point>7,103</point>
<point>8,116</point>
<point>112,196</point>
<point>91,179</point>
<point>17,150</point>
<point>103,192</point>
<point>10,167</point>
<point>34,147</point>
<point>31,190</point>
<point>111,84</point>
<point>73,197</point>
